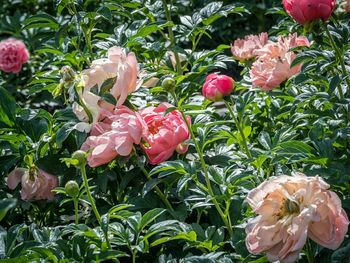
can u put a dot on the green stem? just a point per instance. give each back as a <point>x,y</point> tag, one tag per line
<point>75,201</point>
<point>159,192</point>
<point>206,176</point>
<point>73,10</point>
<point>82,103</point>
<point>204,169</point>
<point>92,203</point>
<point>87,35</point>
<point>309,252</point>
<point>171,36</point>
<point>341,60</point>
<point>239,127</point>
<point>194,46</point>
<point>91,200</point>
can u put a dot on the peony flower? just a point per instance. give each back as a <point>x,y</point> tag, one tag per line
<point>305,11</point>
<point>290,209</point>
<point>120,69</point>
<point>13,54</point>
<point>36,183</point>
<point>217,86</point>
<point>273,65</point>
<point>113,136</point>
<point>166,133</point>
<point>347,6</point>
<point>243,49</point>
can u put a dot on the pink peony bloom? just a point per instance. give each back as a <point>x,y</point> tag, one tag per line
<point>121,68</point>
<point>13,54</point>
<point>113,136</point>
<point>166,133</point>
<point>217,86</point>
<point>305,11</point>
<point>36,183</point>
<point>290,209</point>
<point>273,65</point>
<point>243,49</point>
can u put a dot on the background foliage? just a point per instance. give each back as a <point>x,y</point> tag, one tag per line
<point>302,126</point>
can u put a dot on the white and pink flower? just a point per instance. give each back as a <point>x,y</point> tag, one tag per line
<point>120,67</point>
<point>290,209</point>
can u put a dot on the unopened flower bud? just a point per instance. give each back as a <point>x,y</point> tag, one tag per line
<point>217,86</point>
<point>168,84</point>
<point>80,156</point>
<point>72,188</point>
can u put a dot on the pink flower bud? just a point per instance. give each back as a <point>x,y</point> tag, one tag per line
<point>217,86</point>
<point>13,54</point>
<point>305,11</point>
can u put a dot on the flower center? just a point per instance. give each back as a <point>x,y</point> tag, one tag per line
<point>290,207</point>
<point>153,127</point>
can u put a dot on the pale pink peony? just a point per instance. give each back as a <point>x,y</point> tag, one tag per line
<point>166,133</point>
<point>13,54</point>
<point>273,64</point>
<point>305,11</point>
<point>243,49</point>
<point>36,183</point>
<point>120,67</point>
<point>290,209</point>
<point>114,135</point>
<point>217,86</point>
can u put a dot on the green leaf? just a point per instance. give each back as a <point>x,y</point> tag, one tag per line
<point>150,216</point>
<point>5,206</point>
<point>118,208</point>
<point>265,140</point>
<point>341,255</point>
<point>189,236</point>
<point>7,108</point>
<point>109,98</point>
<point>41,20</point>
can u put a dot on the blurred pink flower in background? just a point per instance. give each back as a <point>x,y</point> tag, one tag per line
<point>243,49</point>
<point>114,135</point>
<point>123,71</point>
<point>273,64</point>
<point>13,54</point>
<point>217,86</point>
<point>36,183</point>
<point>305,11</point>
<point>347,6</point>
<point>166,133</point>
<point>290,209</point>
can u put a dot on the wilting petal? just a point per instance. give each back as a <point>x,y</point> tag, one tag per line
<point>15,177</point>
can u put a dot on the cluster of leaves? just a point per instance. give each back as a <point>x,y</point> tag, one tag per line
<point>303,126</point>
